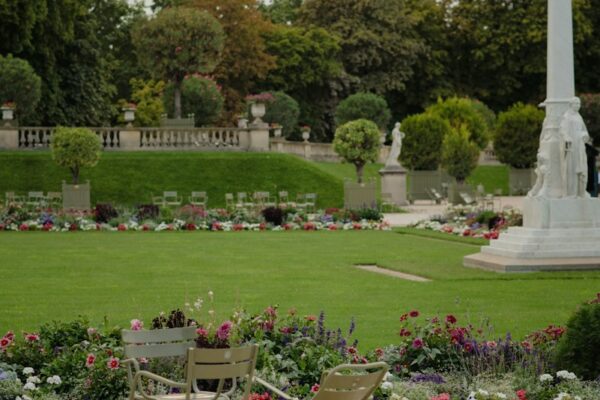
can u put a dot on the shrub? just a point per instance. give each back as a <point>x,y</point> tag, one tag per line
<point>422,146</point>
<point>75,148</point>
<point>147,95</point>
<point>357,142</point>
<point>590,111</point>
<point>461,112</point>
<point>364,106</point>
<point>459,154</point>
<point>517,134</point>
<point>489,116</point>
<point>273,215</point>
<point>19,84</point>
<point>105,212</point>
<point>284,110</point>
<point>578,349</point>
<point>200,96</point>
<point>147,211</point>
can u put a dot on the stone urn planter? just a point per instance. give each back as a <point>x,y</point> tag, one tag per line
<point>8,112</point>
<point>76,197</point>
<point>258,111</point>
<point>305,134</point>
<point>277,130</point>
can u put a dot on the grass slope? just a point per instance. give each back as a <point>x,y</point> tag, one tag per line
<point>132,178</point>
<point>136,275</point>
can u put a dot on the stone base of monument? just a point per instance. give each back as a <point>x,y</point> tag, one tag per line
<point>558,235</point>
<point>393,182</point>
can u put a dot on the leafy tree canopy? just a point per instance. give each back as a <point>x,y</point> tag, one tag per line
<point>75,148</point>
<point>19,84</point>
<point>357,142</point>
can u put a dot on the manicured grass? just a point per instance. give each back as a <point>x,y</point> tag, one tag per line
<point>129,275</point>
<point>492,177</point>
<point>442,236</point>
<point>132,178</point>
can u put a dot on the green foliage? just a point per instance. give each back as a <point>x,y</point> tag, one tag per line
<point>75,148</point>
<point>19,84</point>
<point>422,146</point>
<point>578,349</point>
<point>462,113</point>
<point>516,139</point>
<point>459,154</point>
<point>357,142</point>
<point>367,106</point>
<point>284,110</point>
<point>489,116</point>
<point>179,41</point>
<point>147,95</point>
<point>200,96</point>
<point>281,11</point>
<point>590,111</point>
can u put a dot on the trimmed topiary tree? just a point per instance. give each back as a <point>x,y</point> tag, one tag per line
<point>364,106</point>
<point>578,349</point>
<point>422,145</point>
<point>461,113</point>
<point>517,135</point>
<point>459,154</point>
<point>285,111</point>
<point>590,111</point>
<point>200,96</point>
<point>19,84</point>
<point>177,42</point>
<point>357,142</point>
<point>75,148</point>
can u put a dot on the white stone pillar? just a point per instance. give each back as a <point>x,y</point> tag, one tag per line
<point>561,70</point>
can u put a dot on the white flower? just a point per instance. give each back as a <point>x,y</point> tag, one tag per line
<point>28,371</point>
<point>546,378</point>
<point>500,395</point>
<point>566,375</point>
<point>33,379</point>
<point>54,380</point>
<point>29,386</point>
<point>388,376</point>
<point>198,303</point>
<point>483,392</point>
<point>210,295</point>
<point>387,386</point>
<point>471,396</point>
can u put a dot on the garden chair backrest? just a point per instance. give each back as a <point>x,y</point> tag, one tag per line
<point>221,364</point>
<point>169,195</point>
<point>10,196</point>
<point>35,195</point>
<point>54,195</point>
<point>283,197</point>
<point>335,386</point>
<point>241,196</point>
<point>158,343</point>
<point>310,198</point>
<point>199,194</point>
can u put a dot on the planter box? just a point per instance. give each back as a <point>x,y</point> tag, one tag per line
<point>421,182</point>
<point>360,195</point>
<point>520,181</point>
<point>76,197</point>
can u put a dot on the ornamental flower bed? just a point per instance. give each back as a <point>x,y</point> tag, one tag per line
<point>436,358</point>
<point>471,221</point>
<point>188,218</point>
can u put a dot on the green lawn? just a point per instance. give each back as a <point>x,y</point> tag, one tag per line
<point>136,275</point>
<point>130,178</point>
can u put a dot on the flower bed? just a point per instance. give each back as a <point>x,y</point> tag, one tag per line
<point>434,359</point>
<point>471,221</point>
<point>188,218</point>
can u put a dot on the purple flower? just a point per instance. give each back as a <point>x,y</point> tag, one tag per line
<point>224,330</point>
<point>417,343</point>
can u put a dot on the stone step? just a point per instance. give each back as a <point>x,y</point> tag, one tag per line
<point>561,253</point>
<point>544,246</point>
<point>548,240</point>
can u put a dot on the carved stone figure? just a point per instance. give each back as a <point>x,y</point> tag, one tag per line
<point>541,172</point>
<point>574,134</point>
<point>395,151</point>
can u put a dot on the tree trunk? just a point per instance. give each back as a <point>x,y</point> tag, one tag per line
<point>75,175</point>
<point>359,172</point>
<point>177,97</point>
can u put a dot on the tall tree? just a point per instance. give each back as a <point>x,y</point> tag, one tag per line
<point>281,11</point>
<point>245,61</point>
<point>178,42</point>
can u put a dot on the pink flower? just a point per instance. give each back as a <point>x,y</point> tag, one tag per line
<point>202,332</point>
<point>224,330</point>
<point>310,318</point>
<point>136,325</point>
<point>443,396</point>
<point>91,331</point>
<point>32,337</point>
<point>90,360</point>
<point>379,352</point>
<point>315,388</point>
<point>522,394</point>
<point>451,319</point>
<point>417,343</point>
<point>9,335</point>
<point>4,343</point>
<point>491,344</point>
<point>113,363</point>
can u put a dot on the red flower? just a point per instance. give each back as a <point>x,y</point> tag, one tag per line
<point>310,318</point>
<point>23,227</point>
<point>413,314</point>
<point>352,350</point>
<point>357,227</point>
<point>122,227</point>
<point>404,332</point>
<point>113,363</point>
<point>451,319</point>
<point>403,317</point>
<point>90,360</point>
<point>190,227</point>
<point>522,394</point>
<point>32,337</point>
<point>4,342</point>
<point>73,227</point>
<point>9,335</point>
<point>468,347</point>
<point>145,227</point>
<point>379,352</point>
<point>315,388</point>
<point>332,227</point>
<point>262,226</point>
<point>238,227</point>
<point>443,396</point>
<point>47,226</point>
<point>417,343</point>
<point>202,332</point>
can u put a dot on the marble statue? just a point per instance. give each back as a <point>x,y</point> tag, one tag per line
<point>395,151</point>
<point>542,170</point>
<point>574,135</point>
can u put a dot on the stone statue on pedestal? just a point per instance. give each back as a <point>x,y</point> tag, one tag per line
<point>574,134</point>
<point>397,136</point>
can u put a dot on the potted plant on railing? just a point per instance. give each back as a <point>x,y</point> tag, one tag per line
<point>258,105</point>
<point>76,148</point>
<point>8,111</point>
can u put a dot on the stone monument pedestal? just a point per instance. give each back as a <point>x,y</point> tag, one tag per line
<point>393,181</point>
<point>557,235</point>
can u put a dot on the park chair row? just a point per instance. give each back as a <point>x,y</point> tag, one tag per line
<point>305,201</point>
<point>172,199</point>
<point>34,199</point>
<point>228,365</point>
